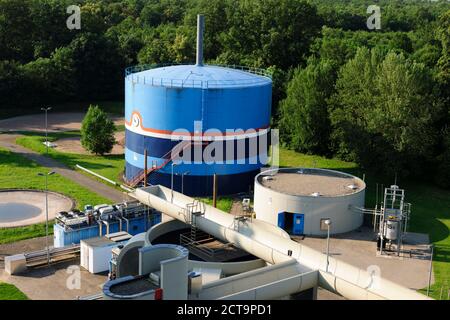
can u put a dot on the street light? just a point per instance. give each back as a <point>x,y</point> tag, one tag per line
<point>182,181</point>
<point>171,183</point>
<point>46,211</point>
<point>430,271</point>
<point>46,126</point>
<point>328,223</point>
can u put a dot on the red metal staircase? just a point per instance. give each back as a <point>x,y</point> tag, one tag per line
<point>168,157</point>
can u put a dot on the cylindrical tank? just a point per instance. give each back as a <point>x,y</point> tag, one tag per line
<point>391,231</point>
<point>301,200</point>
<point>226,108</point>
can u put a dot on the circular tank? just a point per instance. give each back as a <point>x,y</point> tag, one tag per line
<point>215,119</point>
<point>391,232</point>
<point>300,200</point>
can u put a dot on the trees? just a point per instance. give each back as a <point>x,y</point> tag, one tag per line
<point>443,34</point>
<point>384,108</point>
<point>16,21</point>
<point>269,32</point>
<point>383,112</point>
<point>98,67</point>
<point>97,131</point>
<point>304,119</point>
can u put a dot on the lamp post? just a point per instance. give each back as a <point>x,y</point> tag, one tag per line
<point>171,183</point>
<point>182,181</point>
<point>46,109</point>
<point>430,271</point>
<point>328,223</point>
<point>46,211</point>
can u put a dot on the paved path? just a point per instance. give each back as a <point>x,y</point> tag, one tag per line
<point>57,121</point>
<point>8,141</point>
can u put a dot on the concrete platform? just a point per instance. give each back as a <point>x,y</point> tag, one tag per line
<point>359,249</point>
<point>48,283</point>
<point>51,283</point>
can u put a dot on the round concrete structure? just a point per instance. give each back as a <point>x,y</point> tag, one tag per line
<point>300,200</point>
<point>26,207</point>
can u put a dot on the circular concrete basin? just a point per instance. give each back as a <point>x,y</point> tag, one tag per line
<point>23,207</point>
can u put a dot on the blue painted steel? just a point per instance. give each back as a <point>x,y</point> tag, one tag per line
<point>281,219</point>
<point>298,225</point>
<point>158,147</point>
<point>171,98</point>
<point>201,185</point>
<point>173,108</point>
<point>63,237</point>
<point>137,160</point>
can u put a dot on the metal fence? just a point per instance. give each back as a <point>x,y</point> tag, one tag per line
<point>130,73</point>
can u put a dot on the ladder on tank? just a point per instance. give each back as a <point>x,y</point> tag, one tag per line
<point>193,210</point>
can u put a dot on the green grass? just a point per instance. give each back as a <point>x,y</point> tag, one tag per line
<point>289,158</point>
<point>19,172</point>
<point>430,211</point>
<point>223,203</point>
<point>10,292</point>
<point>109,166</point>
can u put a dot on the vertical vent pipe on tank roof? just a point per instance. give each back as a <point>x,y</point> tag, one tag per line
<point>200,27</point>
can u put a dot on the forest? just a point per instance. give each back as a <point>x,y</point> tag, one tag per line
<point>378,97</point>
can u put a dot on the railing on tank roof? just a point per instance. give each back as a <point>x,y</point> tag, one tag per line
<point>192,83</point>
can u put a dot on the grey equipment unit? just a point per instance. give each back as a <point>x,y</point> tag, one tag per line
<point>393,218</point>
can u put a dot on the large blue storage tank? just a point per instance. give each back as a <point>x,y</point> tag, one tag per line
<point>168,104</point>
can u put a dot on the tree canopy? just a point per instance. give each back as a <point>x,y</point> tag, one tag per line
<point>378,97</point>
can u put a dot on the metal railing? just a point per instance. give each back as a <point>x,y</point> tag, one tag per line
<point>95,296</point>
<point>200,248</point>
<point>192,83</point>
<point>38,258</point>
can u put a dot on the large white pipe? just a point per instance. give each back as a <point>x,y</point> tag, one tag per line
<point>271,244</point>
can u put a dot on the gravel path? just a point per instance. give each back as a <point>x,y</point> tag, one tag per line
<point>73,145</point>
<point>58,121</point>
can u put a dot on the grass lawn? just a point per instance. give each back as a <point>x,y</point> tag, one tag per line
<point>430,210</point>
<point>19,172</point>
<point>109,166</point>
<point>223,203</point>
<point>10,292</point>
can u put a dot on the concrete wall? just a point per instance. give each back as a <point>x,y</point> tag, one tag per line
<point>269,203</point>
<point>269,283</point>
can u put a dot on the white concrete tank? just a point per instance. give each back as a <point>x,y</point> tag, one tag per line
<point>300,200</point>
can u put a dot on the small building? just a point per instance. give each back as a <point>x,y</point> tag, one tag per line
<point>96,253</point>
<point>300,200</point>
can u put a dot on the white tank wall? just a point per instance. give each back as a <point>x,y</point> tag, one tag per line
<point>268,203</point>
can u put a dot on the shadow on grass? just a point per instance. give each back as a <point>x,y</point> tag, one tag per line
<point>11,159</point>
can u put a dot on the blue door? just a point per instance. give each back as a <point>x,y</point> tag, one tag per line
<point>281,220</point>
<point>299,222</point>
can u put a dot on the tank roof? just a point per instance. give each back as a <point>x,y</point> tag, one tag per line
<point>311,182</point>
<point>194,76</point>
